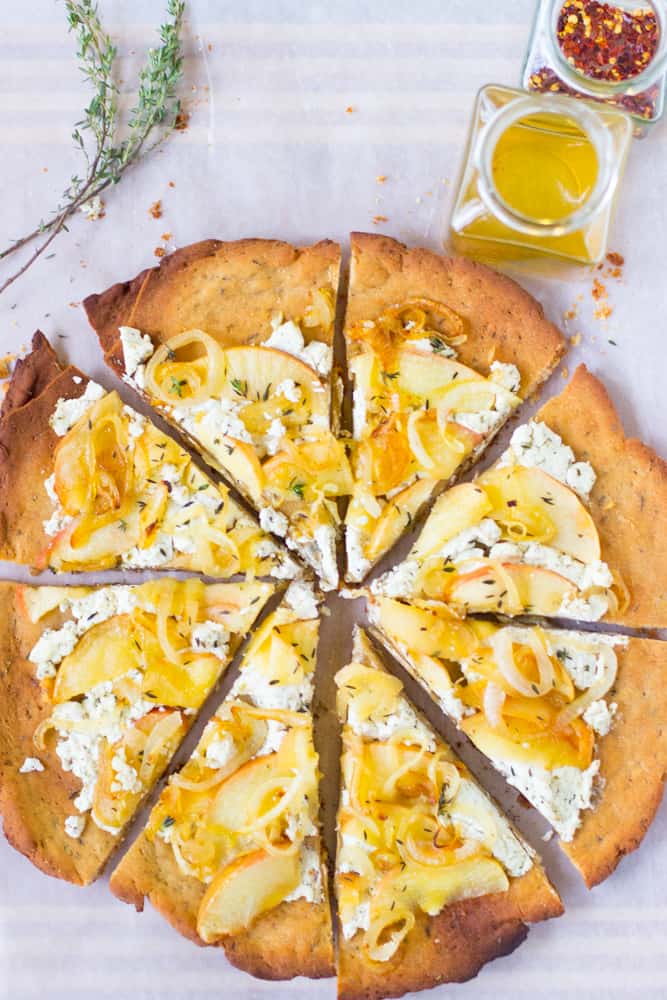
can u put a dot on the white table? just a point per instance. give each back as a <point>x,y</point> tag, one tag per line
<point>272,151</point>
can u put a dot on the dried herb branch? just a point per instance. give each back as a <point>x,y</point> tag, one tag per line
<point>106,156</point>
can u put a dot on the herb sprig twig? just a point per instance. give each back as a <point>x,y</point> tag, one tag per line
<point>106,155</point>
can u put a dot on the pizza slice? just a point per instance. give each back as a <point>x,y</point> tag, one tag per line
<point>232,854</point>
<point>233,344</point>
<point>566,523</point>
<point>440,353</point>
<point>87,483</point>
<point>432,881</point>
<point>98,688</point>
<point>573,720</point>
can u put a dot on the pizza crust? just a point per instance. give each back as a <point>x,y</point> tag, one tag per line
<point>633,764</point>
<point>294,939</point>
<point>35,806</point>
<point>503,322</point>
<point>629,499</point>
<point>229,290</point>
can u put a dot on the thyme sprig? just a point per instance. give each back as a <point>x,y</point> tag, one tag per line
<point>106,155</point>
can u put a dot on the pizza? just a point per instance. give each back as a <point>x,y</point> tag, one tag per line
<point>562,525</point>
<point>440,353</point>
<point>233,344</point>
<point>573,720</point>
<point>232,853</point>
<point>87,483</point>
<point>98,688</point>
<point>432,881</point>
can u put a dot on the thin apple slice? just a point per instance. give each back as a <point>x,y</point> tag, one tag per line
<point>515,589</point>
<point>552,750</point>
<point>255,373</point>
<point>397,515</point>
<point>527,496</point>
<point>251,885</point>
<point>460,508</point>
<point>424,630</point>
<point>239,460</point>
<point>36,602</point>
<point>425,376</point>
<point>104,652</point>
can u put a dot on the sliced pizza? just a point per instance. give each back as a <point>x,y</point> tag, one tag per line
<point>232,853</point>
<point>573,720</point>
<point>99,686</point>
<point>565,524</point>
<point>432,881</point>
<point>87,483</point>
<point>233,344</point>
<point>440,353</point>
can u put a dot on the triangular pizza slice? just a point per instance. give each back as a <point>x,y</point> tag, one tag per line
<point>232,854</point>
<point>98,688</point>
<point>432,881</point>
<point>573,720</point>
<point>233,344</point>
<point>440,352</point>
<point>565,524</point>
<point>87,483</point>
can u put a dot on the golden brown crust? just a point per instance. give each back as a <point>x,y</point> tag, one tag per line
<point>230,290</point>
<point>295,939</point>
<point>629,499</point>
<point>27,446</point>
<point>453,946</point>
<point>34,806</point>
<point>503,322</point>
<point>633,764</point>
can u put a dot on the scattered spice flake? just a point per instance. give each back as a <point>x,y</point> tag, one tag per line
<point>156,210</point>
<point>5,363</point>
<point>598,291</point>
<point>377,219</point>
<point>604,312</point>
<point>210,46</point>
<point>616,259</point>
<point>74,305</point>
<point>172,184</point>
<point>565,373</point>
<point>349,109</point>
<point>381,178</point>
<point>571,313</point>
<point>182,120</point>
<point>159,251</point>
<point>605,42</point>
<point>166,237</point>
<point>575,339</point>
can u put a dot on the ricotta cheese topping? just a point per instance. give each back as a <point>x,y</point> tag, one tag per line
<point>506,375</point>
<point>560,795</point>
<point>68,412</point>
<point>211,637</point>
<point>74,826</point>
<point>273,521</point>
<point>288,337</point>
<point>357,563</point>
<point>434,345</point>
<point>302,599</point>
<point>31,764</point>
<point>402,720</point>
<point>137,349</point>
<point>505,846</point>
<point>310,886</point>
<point>535,445</point>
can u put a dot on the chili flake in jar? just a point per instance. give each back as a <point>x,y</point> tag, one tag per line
<point>612,52</point>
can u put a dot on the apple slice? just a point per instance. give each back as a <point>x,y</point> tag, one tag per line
<point>239,460</point>
<point>398,514</point>
<point>552,750</point>
<point>426,375</point>
<point>519,588</point>
<point>36,602</point>
<point>530,495</point>
<point>243,890</point>
<point>255,373</point>
<point>234,605</point>
<point>422,630</point>
<point>104,652</point>
<point>456,510</point>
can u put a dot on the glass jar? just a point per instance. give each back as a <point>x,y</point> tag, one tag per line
<point>564,56</point>
<point>540,178</point>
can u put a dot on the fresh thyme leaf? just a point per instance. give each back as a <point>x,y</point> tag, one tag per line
<point>239,386</point>
<point>297,487</point>
<point>176,387</point>
<point>97,136</point>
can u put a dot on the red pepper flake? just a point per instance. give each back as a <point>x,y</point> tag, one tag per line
<point>377,219</point>
<point>159,251</point>
<point>598,291</point>
<point>172,184</point>
<point>615,259</point>
<point>182,121</point>
<point>166,237</point>
<point>156,210</point>
<point>606,42</point>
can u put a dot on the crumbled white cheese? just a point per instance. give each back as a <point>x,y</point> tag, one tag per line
<point>99,605</point>
<point>31,764</point>
<point>56,523</point>
<point>125,778</point>
<point>327,565</point>
<point>136,424</point>
<point>274,436</point>
<point>310,886</point>
<point>506,375</point>
<point>585,575</point>
<point>254,684</point>
<point>403,720</point>
<point>357,563</point>
<point>302,599</point>
<point>51,647</point>
<point>584,609</point>
<point>535,445</point>
<point>399,581</point>
<point>213,419</point>
<point>599,716</point>
<point>579,653</point>
<point>68,411</point>
<point>137,349</point>
<point>358,413</point>
<point>436,345</point>
<point>360,920</point>
<point>273,521</point>
<point>485,533</point>
<point>220,751</point>
<point>289,338</point>
<point>157,554</point>
<point>469,803</point>
<point>74,826</point>
<point>275,734</point>
<point>50,487</point>
<point>211,637</point>
<point>289,389</point>
<point>480,421</point>
<point>560,795</point>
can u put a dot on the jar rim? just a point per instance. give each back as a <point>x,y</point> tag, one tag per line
<point>589,121</point>
<point>591,87</point>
